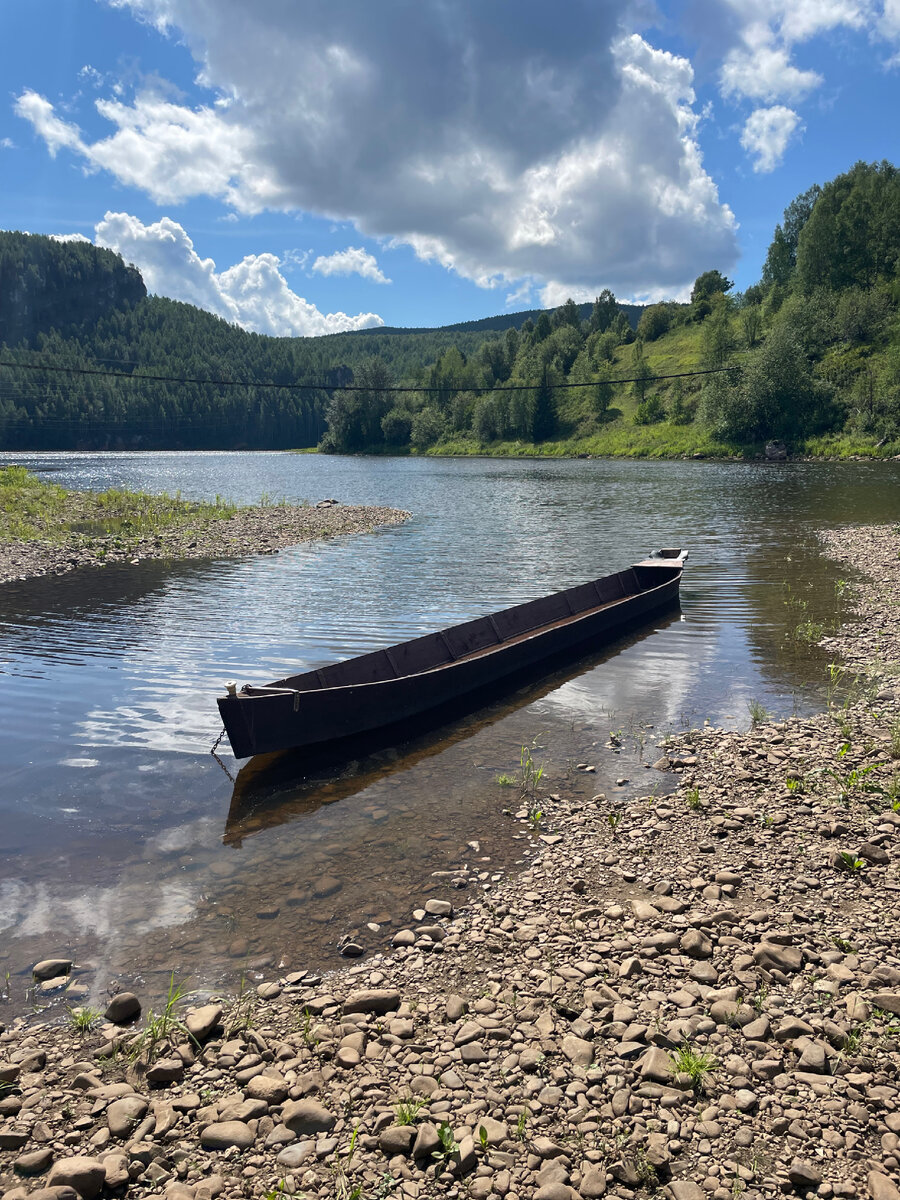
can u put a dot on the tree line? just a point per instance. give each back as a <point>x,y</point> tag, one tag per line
<point>813,347</point>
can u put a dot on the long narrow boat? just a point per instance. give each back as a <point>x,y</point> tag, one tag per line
<point>427,674</point>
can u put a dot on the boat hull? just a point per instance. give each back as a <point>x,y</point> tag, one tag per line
<point>287,717</point>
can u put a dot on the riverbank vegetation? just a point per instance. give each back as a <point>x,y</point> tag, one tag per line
<point>810,355</point>
<point>45,529</point>
<point>31,510</point>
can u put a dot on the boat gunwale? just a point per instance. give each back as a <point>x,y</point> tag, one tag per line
<point>278,689</point>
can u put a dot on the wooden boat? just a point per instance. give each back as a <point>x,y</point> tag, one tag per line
<point>427,674</point>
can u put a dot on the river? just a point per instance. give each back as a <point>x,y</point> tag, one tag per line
<point>126,846</point>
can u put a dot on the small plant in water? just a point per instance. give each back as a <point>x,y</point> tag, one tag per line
<point>507,780</point>
<point>535,816</point>
<point>758,714</point>
<point>532,774</point>
<point>696,1064</point>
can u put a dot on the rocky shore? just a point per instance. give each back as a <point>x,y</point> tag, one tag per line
<point>693,995</point>
<point>248,531</point>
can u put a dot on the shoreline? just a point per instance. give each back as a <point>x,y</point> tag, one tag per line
<point>255,530</point>
<point>694,995</point>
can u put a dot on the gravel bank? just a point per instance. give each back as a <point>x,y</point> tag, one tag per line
<point>261,530</point>
<point>694,996</point>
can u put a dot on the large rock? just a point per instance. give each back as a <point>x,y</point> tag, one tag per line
<point>657,1066</point>
<point>123,1115</point>
<point>123,1008</point>
<point>804,1175</point>
<point>888,1001</point>
<point>34,1163</point>
<point>273,1089</point>
<point>86,1175</point>
<point>880,1187</point>
<point>695,944</point>
<point>577,1050</point>
<point>51,968</point>
<point>202,1021</point>
<point>782,958</point>
<point>372,1000</point>
<point>223,1134</point>
<point>306,1116</point>
<point>427,1140</point>
<point>396,1139</point>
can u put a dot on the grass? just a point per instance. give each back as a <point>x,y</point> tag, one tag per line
<point>32,510</point>
<point>83,1019</point>
<point>407,1110</point>
<point>697,1064</point>
<point>160,1026</point>
<point>693,798</point>
<point>758,713</point>
<point>849,862</point>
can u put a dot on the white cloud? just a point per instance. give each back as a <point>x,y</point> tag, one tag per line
<point>70,237</point>
<point>56,133</point>
<point>352,261</point>
<point>761,70</point>
<point>766,134</point>
<point>7,144</point>
<point>252,293</point>
<point>505,141</point>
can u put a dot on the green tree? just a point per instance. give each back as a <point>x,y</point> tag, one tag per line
<point>544,419</point>
<point>604,312</point>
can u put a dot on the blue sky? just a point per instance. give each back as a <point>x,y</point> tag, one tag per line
<point>304,168</point>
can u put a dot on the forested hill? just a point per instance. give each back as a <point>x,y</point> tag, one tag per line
<point>511,321</point>
<point>46,284</point>
<point>72,305</point>
<point>809,355</point>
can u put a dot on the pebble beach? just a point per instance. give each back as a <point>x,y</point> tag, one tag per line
<point>689,993</point>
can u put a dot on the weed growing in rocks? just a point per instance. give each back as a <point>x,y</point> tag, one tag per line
<point>698,1065</point>
<point>160,1026</point>
<point>407,1110</point>
<point>83,1019</point>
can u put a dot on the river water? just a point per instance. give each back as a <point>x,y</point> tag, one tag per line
<point>126,846</point>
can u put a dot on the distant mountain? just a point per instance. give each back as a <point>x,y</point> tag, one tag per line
<point>504,321</point>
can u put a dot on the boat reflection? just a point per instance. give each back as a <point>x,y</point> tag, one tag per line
<point>275,789</point>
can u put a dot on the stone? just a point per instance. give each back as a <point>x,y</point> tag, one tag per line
<point>273,1089</point>
<point>202,1021</point>
<point>123,1115</point>
<point>123,1008</point>
<point>456,1007</point>
<point>373,1000</point>
<point>116,1167</point>
<point>439,908</point>
<point>593,1182</point>
<point>223,1134</point>
<point>813,1059</point>
<point>86,1175</point>
<point>295,1156</point>
<point>695,944</point>
<point>888,1001</point>
<point>577,1050</point>
<point>307,1116</point>
<point>804,1175</point>
<point>686,1189</point>
<point>782,958</point>
<point>427,1140</point>
<point>880,1187</point>
<point>165,1070</point>
<point>657,1065</point>
<point>33,1163</point>
<point>396,1139</point>
<point>51,968</point>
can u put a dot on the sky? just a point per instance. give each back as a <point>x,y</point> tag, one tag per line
<point>303,167</point>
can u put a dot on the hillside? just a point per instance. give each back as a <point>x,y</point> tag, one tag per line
<point>810,355</point>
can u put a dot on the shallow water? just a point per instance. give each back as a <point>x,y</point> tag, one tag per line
<point>121,840</point>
